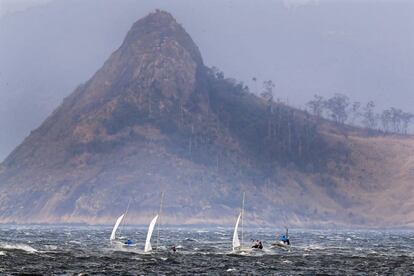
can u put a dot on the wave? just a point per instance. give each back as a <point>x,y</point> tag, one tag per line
<point>18,246</point>
<point>312,247</point>
<point>190,240</point>
<point>75,242</point>
<point>51,247</point>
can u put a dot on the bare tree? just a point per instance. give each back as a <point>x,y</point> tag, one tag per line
<point>267,92</point>
<point>370,119</point>
<point>356,112</point>
<point>396,115</point>
<point>337,107</point>
<point>386,120</point>
<point>406,118</point>
<point>399,120</point>
<point>316,106</point>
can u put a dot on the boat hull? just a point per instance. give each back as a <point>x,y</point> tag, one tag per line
<point>280,244</point>
<point>123,244</point>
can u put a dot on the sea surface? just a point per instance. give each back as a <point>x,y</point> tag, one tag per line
<point>86,250</point>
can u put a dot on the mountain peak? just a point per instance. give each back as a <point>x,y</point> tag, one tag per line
<point>158,31</point>
<point>160,17</point>
<point>156,71</point>
<point>155,76</point>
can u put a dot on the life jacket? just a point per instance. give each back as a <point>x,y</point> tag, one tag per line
<point>283,238</point>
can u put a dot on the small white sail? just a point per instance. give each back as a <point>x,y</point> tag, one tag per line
<point>118,221</point>
<point>236,241</point>
<point>148,246</point>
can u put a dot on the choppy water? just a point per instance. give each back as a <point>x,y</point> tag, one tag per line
<point>74,250</point>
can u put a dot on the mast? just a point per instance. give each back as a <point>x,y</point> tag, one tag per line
<point>125,214</point>
<point>159,219</point>
<point>242,215</point>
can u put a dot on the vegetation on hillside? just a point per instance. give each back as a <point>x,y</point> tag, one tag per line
<point>341,110</point>
<point>272,131</point>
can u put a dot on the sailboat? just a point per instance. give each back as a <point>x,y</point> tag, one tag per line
<point>112,239</point>
<point>118,241</point>
<point>237,246</point>
<point>283,241</point>
<point>148,246</point>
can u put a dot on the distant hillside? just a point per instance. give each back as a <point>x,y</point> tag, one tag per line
<point>155,118</point>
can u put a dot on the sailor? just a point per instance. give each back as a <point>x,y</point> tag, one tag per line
<point>257,244</point>
<point>283,239</point>
<point>173,249</point>
<point>128,242</point>
<point>287,236</point>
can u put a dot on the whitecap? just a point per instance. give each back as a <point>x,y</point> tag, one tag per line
<point>75,242</point>
<point>51,247</point>
<point>19,246</point>
<point>314,247</point>
<point>191,240</point>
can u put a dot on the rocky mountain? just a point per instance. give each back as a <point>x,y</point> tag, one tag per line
<point>155,118</point>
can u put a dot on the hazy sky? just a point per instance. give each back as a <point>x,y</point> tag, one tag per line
<point>364,49</point>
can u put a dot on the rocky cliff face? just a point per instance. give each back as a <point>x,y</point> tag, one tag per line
<point>154,119</point>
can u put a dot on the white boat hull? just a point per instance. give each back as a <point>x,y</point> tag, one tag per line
<point>123,244</point>
<point>280,244</point>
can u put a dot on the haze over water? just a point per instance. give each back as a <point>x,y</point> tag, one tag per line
<point>86,249</point>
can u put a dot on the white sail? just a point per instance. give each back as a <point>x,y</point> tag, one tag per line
<point>236,241</point>
<point>148,246</point>
<point>118,221</point>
